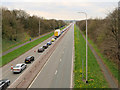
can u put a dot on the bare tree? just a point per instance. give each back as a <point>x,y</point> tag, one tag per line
<point>112,26</point>
<point>119,30</point>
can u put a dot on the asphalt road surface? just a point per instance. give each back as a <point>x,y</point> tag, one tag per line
<point>7,73</point>
<point>57,71</point>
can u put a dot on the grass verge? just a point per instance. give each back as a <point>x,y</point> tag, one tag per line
<point>10,44</point>
<point>112,66</point>
<point>14,54</point>
<point>95,76</point>
<point>62,28</point>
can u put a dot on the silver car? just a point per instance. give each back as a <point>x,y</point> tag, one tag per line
<point>41,49</point>
<point>19,68</point>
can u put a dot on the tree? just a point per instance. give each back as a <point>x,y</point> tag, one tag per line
<point>112,27</point>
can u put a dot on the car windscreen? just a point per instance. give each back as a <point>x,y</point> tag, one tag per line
<point>27,58</point>
<point>16,66</point>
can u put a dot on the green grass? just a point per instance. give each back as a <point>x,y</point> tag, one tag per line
<point>94,71</point>
<point>11,44</point>
<point>112,66</point>
<point>14,54</point>
<point>7,44</point>
<point>62,28</point>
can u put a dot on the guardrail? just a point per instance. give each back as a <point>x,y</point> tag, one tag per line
<point>25,79</point>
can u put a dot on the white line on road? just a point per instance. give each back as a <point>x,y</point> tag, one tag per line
<point>24,71</point>
<point>40,71</point>
<point>71,84</point>
<point>55,72</point>
<point>5,73</point>
<point>60,60</point>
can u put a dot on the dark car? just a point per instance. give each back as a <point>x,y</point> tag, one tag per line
<point>4,84</point>
<point>45,46</point>
<point>41,49</point>
<point>49,43</point>
<point>29,59</point>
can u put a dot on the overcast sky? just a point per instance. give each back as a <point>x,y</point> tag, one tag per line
<point>63,9</point>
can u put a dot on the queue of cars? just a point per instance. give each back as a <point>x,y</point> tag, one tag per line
<point>18,68</point>
<point>41,49</point>
<point>22,66</point>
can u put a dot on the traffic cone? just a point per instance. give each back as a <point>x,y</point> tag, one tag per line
<point>11,67</point>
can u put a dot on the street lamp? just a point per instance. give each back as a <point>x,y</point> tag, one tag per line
<point>86,47</point>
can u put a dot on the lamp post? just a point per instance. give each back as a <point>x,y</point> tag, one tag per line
<point>86,47</point>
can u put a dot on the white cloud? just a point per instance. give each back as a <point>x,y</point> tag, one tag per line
<point>59,15</point>
<point>60,0</point>
<point>63,10</point>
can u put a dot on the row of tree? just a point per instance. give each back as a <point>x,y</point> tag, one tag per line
<point>17,22</point>
<point>104,33</point>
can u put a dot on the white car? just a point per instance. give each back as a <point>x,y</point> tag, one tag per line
<point>19,68</point>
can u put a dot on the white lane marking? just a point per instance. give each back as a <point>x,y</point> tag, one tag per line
<point>38,74</point>
<point>55,72</point>
<point>71,84</point>
<point>39,45</point>
<point>24,71</point>
<point>33,49</point>
<point>41,70</point>
<point>60,60</point>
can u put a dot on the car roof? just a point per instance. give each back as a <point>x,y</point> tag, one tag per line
<point>40,47</point>
<point>57,30</point>
<point>28,57</point>
<point>3,80</point>
<point>19,64</point>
